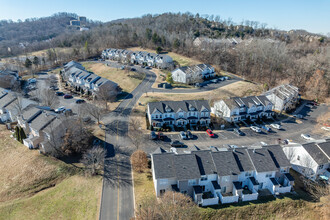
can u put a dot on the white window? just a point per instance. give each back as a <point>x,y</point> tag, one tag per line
<point>191,182</point>
<point>160,116</point>
<point>247,174</point>
<point>321,166</point>
<point>163,181</point>
<point>298,157</point>
<point>156,116</point>
<point>268,175</point>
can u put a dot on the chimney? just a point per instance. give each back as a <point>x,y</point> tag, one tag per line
<point>254,150</point>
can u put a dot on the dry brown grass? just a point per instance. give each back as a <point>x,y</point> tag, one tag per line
<point>121,77</point>
<point>22,170</point>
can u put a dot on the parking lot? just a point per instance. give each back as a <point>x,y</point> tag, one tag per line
<point>291,130</point>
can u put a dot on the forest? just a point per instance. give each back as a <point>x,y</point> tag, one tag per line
<point>262,55</point>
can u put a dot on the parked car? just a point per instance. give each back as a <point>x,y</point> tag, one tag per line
<point>153,135</point>
<point>59,93</point>
<point>276,126</point>
<point>306,136</point>
<point>60,109</point>
<point>325,128</point>
<point>298,116</point>
<point>263,143</point>
<point>266,128</point>
<point>210,133</point>
<point>68,112</point>
<point>133,69</point>
<point>67,96</point>
<point>79,101</point>
<point>214,80</point>
<point>176,143</point>
<point>183,135</point>
<point>32,80</point>
<point>189,135</point>
<point>238,131</point>
<point>161,136</point>
<point>148,67</point>
<point>255,129</point>
<point>122,67</point>
<point>222,78</point>
<point>232,146</point>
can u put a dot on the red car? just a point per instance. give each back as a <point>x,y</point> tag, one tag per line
<point>210,133</point>
<point>67,96</point>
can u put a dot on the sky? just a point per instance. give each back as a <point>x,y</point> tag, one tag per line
<point>310,15</point>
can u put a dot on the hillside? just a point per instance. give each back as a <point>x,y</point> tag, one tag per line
<point>34,33</point>
<point>250,49</point>
<point>33,186</point>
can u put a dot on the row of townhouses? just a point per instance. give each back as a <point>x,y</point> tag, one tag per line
<point>161,61</point>
<point>87,82</point>
<point>311,159</point>
<point>179,113</point>
<point>236,109</point>
<point>284,97</point>
<point>193,74</point>
<point>42,126</point>
<point>228,176</point>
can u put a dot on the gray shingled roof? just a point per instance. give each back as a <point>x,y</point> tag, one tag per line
<point>185,166</point>
<point>42,121</point>
<point>316,153</point>
<point>205,162</point>
<point>176,105</point>
<point>163,166</point>
<point>325,146</point>
<point>262,160</point>
<point>225,163</point>
<point>277,154</point>
<point>30,113</point>
<point>7,99</point>
<point>242,159</point>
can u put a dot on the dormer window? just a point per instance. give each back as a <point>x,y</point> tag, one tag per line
<point>167,109</point>
<point>191,108</point>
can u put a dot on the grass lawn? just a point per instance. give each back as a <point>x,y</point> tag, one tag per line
<point>143,187</point>
<point>123,78</point>
<point>34,186</point>
<point>76,197</point>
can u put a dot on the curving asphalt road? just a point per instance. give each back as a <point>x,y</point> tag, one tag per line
<point>117,200</point>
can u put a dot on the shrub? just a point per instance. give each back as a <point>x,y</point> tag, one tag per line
<point>139,161</point>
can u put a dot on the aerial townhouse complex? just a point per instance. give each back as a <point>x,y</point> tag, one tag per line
<point>225,176</point>
<point>193,74</point>
<point>236,109</point>
<point>284,97</point>
<point>87,82</point>
<point>179,113</point>
<point>161,61</point>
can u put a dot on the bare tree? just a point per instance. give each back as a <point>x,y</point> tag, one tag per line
<point>136,135</point>
<point>93,159</point>
<point>105,95</point>
<point>94,110</point>
<point>48,97</point>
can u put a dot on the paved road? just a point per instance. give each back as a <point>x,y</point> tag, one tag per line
<point>117,194</point>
